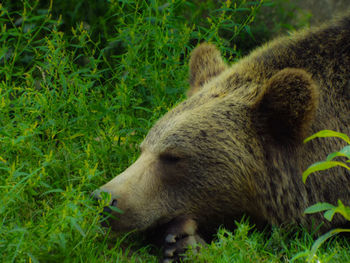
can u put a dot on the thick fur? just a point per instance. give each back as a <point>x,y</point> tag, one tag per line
<point>235,146</point>
<point>205,63</point>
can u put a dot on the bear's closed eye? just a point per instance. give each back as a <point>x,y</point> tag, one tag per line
<point>170,158</point>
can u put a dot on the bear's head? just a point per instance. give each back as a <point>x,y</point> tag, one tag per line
<point>205,157</point>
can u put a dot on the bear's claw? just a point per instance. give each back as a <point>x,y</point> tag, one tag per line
<point>181,234</point>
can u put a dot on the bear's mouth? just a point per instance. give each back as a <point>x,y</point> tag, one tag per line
<point>156,233</point>
<point>126,222</point>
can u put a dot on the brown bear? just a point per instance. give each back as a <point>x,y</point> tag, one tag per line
<point>235,146</point>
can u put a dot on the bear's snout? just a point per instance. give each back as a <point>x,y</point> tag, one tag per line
<point>137,195</point>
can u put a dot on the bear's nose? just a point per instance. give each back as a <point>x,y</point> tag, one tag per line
<point>107,209</point>
<point>96,195</point>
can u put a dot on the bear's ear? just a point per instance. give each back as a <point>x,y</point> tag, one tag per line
<point>205,63</point>
<point>286,106</point>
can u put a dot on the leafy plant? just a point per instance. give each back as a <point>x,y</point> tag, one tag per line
<point>328,209</point>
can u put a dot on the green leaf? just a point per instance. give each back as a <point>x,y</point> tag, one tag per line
<point>77,227</point>
<point>320,166</point>
<point>322,239</point>
<point>299,255</point>
<point>52,191</point>
<point>329,214</point>
<point>318,243</point>
<point>247,29</point>
<point>343,210</point>
<point>328,133</point>
<point>319,207</point>
<point>345,152</point>
<point>116,209</point>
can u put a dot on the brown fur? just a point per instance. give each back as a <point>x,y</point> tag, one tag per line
<point>205,63</point>
<point>235,145</point>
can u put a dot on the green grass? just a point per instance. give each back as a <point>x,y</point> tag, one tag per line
<point>246,244</point>
<point>80,86</point>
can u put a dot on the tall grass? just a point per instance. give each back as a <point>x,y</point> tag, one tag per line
<point>80,85</point>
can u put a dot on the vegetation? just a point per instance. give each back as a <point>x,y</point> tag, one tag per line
<point>330,210</point>
<point>81,82</point>
<point>273,245</point>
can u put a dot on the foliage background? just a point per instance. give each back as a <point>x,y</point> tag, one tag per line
<point>81,82</point>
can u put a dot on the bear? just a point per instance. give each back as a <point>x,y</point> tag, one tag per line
<point>235,146</point>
